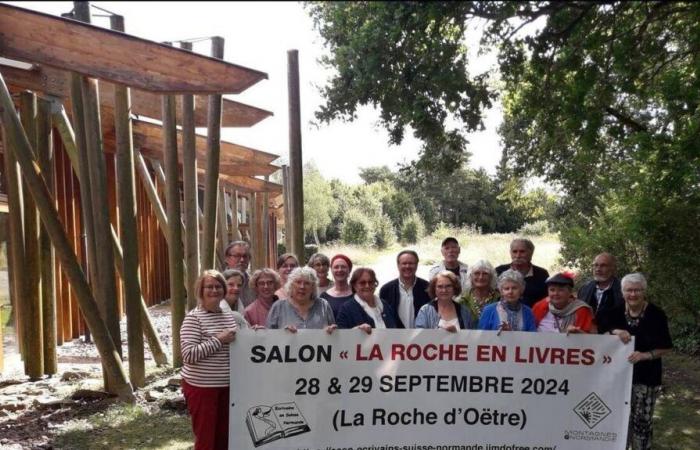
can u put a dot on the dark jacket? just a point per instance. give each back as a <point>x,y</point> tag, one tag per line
<point>612,298</point>
<point>535,289</point>
<point>391,294</point>
<point>351,315</point>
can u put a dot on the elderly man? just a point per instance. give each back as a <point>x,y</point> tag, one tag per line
<point>237,256</point>
<point>450,253</point>
<point>407,293</point>
<point>604,291</point>
<point>521,251</point>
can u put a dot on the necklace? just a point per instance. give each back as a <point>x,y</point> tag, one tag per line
<point>633,321</point>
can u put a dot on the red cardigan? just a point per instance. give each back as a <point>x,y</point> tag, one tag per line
<point>584,316</point>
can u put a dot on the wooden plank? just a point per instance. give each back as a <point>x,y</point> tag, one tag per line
<point>55,82</point>
<point>248,184</point>
<point>113,56</point>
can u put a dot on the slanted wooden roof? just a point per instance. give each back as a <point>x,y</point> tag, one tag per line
<point>117,57</point>
<point>56,83</point>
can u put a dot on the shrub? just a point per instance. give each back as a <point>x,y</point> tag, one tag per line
<point>384,232</point>
<point>537,228</point>
<point>357,228</point>
<point>412,229</point>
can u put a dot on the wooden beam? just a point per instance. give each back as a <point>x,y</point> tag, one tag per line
<point>17,139</point>
<point>113,56</point>
<point>56,83</point>
<point>296,177</point>
<point>175,248</point>
<point>127,223</point>
<point>211,178</point>
<point>248,184</point>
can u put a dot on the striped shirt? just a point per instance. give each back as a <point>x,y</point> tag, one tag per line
<point>205,358</point>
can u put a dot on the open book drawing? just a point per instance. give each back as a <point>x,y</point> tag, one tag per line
<point>270,423</point>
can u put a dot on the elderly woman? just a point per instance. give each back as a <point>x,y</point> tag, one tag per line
<point>264,282</point>
<point>649,326</point>
<point>285,264</point>
<point>341,292</point>
<point>204,340</point>
<point>231,302</point>
<point>366,310</point>
<point>302,308</point>
<point>508,313</point>
<point>481,288</point>
<point>444,312</point>
<point>560,311</point>
<point>320,263</point>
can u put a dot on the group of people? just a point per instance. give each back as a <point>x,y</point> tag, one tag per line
<point>518,296</point>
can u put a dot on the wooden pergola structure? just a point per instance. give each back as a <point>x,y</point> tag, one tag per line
<point>83,110</point>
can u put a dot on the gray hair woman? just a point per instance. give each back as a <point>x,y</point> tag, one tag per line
<point>320,263</point>
<point>265,282</point>
<point>204,340</point>
<point>231,302</point>
<point>481,288</point>
<point>649,326</point>
<point>302,308</point>
<point>508,314</point>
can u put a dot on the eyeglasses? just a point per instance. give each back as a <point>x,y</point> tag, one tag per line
<point>265,283</point>
<point>238,256</point>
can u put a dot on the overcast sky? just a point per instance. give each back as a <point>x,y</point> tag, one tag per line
<point>258,36</point>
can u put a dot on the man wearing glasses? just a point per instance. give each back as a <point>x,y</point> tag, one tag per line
<point>238,257</point>
<point>604,291</point>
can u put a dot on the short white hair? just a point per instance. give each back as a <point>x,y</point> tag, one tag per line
<point>513,276</point>
<point>482,264</point>
<point>634,278</point>
<point>306,273</point>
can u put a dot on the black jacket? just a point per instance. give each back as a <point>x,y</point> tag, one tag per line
<point>612,298</point>
<point>351,315</point>
<point>391,294</point>
<point>535,289</point>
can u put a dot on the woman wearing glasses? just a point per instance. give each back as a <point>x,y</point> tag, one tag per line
<point>366,310</point>
<point>204,340</point>
<point>264,282</point>
<point>285,264</point>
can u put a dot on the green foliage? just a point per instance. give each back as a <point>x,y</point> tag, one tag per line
<point>537,228</point>
<point>385,235</point>
<point>413,229</point>
<point>319,204</point>
<point>377,174</point>
<point>357,228</point>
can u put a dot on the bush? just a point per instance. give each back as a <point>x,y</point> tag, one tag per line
<point>357,228</point>
<point>537,228</point>
<point>384,232</point>
<point>412,229</point>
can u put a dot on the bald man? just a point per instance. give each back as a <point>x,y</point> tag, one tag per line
<point>604,291</point>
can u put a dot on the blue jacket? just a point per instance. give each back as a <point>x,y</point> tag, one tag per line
<point>351,315</point>
<point>490,320</point>
<point>428,316</point>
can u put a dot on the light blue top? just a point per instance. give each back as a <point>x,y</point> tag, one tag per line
<point>428,316</point>
<point>490,321</point>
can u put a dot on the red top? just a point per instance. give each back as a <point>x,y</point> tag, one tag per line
<point>583,319</point>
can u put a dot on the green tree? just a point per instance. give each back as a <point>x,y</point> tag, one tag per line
<point>319,204</point>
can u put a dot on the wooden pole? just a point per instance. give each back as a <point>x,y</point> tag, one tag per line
<point>211,183</point>
<point>234,216</point>
<point>191,197</point>
<point>175,249</point>
<point>126,197</point>
<point>152,195</point>
<point>104,266</point>
<point>15,238</point>
<point>265,251</point>
<point>33,328</point>
<point>17,139</point>
<point>286,200</point>
<point>222,226</point>
<point>295,157</point>
<point>44,149</point>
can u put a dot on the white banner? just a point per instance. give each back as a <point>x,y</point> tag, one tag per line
<point>428,389</point>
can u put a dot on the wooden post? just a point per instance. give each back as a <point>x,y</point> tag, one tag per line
<point>44,148</point>
<point>33,329</point>
<point>107,287</point>
<point>191,199</point>
<point>222,226</point>
<point>172,201</point>
<point>127,222</point>
<point>17,139</point>
<point>15,238</point>
<point>295,161</point>
<point>152,195</point>
<point>265,251</point>
<point>234,216</point>
<point>211,183</point>
<point>286,204</point>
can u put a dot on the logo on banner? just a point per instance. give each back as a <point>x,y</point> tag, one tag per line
<point>279,421</point>
<point>592,410</point>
